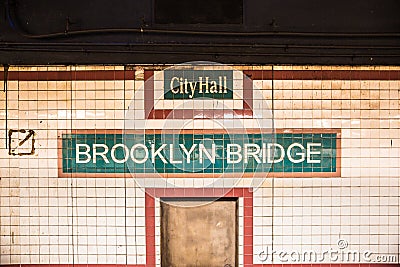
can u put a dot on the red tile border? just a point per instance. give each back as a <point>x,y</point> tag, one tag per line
<point>150,230</point>
<point>253,74</point>
<point>72,265</point>
<point>247,265</point>
<point>148,93</point>
<point>75,75</point>
<point>198,192</point>
<point>323,74</point>
<point>328,265</point>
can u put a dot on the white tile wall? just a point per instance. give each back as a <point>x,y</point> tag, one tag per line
<point>46,219</point>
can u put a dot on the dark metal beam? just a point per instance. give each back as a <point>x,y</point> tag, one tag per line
<point>272,32</point>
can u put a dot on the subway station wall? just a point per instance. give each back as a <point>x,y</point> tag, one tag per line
<point>53,215</point>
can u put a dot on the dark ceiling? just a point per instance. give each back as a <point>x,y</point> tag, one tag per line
<point>174,31</point>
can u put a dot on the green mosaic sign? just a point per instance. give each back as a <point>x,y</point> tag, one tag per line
<point>199,153</point>
<point>189,84</point>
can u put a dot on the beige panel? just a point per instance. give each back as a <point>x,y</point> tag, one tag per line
<point>204,235</point>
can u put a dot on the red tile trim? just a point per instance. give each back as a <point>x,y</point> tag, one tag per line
<point>198,192</point>
<point>72,265</point>
<point>247,93</point>
<point>324,74</point>
<point>246,264</point>
<point>329,265</point>
<point>148,93</point>
<point>253,74</point>
<point>150,231</point>
<point>80,75</point>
